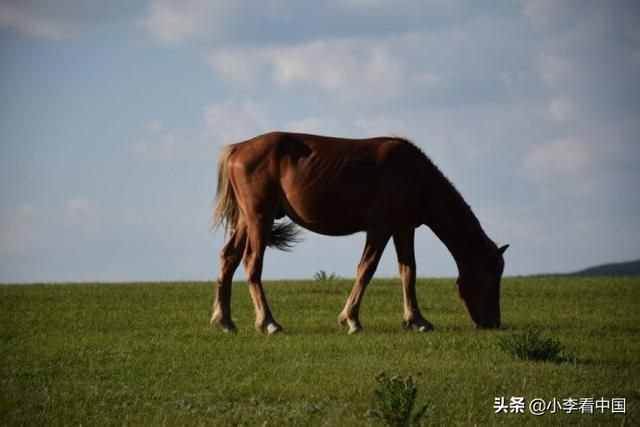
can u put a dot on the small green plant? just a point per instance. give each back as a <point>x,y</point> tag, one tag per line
<point>529,345</point>
<point>322,276</point>
<point>394,399</point>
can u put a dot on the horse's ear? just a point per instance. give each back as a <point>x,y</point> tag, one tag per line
<point>502,249</point>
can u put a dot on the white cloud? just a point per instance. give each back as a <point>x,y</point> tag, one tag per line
<point>517,224</point>
<point>61,19</point>
<point>17,230</point>
<point>585,62</point>
<point>412,66</point>
<point>390,75</point>
<point>382,126</point>
<point>635,58</point>
<point>586,50</point>
<point>222,123</point>
<point>563,156</point>
<point>171,23</point>
<point>165,145</point>
<point>321,63</point>
<point>556,71</point>
<point>633,32</point>
<point>566,172</point>
<point>78,209</point>
<point>331,66</point>
<point>562,108</point>
<point>238,67</point>
<point>231,121</point>
<point>154,126</point>
<point>269,22</point>
<point>547,15</point>
<point>307,125</point>
<point>16,16</point>
<point>346,70</point>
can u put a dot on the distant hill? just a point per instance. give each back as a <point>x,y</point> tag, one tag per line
<point>631,268</point>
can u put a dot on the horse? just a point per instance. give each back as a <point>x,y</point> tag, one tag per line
<point>383,186</point>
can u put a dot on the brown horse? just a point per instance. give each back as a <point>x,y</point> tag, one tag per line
<point>386,187</point>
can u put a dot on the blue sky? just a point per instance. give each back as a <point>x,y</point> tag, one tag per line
<point>113,113</point>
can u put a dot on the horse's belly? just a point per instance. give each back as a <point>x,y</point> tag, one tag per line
<point>326,215</point>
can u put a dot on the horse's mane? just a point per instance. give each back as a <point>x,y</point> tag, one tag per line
<point>447,188</point>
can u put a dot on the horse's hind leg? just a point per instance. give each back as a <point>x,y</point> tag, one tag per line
<point>403,241</point>
<point>258,232</point>
<point>230,258</point>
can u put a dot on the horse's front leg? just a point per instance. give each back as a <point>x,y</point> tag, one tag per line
<point>404,243</point>
<point>373,250</point>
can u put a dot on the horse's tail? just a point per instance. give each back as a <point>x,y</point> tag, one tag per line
<point>226,212</point>
<point>284,234</point>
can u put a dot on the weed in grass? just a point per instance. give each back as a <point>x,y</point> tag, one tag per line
<point>529,345</point>
<point>322,276</point>
<point>394,399</point>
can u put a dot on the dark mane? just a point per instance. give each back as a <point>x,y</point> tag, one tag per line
<point>450,189</point>
<point>448,194</point>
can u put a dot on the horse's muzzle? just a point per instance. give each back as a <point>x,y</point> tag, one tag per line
<point>487,322</point>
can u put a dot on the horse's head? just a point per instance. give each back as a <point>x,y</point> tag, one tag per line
<point>479,287</point>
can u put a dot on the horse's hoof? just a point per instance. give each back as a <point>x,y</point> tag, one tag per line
<point>354,329</point>
<point>269,328</point>
<point>226,324</point>
<point>353,325</point>
<point>230,329</point>
<point>273,328</point>
<point>421,325</point>
<point>227,327</point>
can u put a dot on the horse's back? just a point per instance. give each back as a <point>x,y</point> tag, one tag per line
<point>280,146</point>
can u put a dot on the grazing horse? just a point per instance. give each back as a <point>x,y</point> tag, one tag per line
<point>386,187</point>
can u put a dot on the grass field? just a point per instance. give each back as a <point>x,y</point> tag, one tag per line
<point>144,354</point>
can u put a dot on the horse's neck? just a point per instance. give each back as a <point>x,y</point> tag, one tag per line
<point>452,220</point>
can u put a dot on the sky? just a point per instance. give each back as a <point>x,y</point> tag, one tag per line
<point>113,115</point>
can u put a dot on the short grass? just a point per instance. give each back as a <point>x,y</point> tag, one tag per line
<point>144,354</point>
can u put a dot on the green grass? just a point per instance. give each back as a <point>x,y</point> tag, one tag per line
<point>132,354</point>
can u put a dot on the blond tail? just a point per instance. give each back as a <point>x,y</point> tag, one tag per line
<point>226,212</point>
